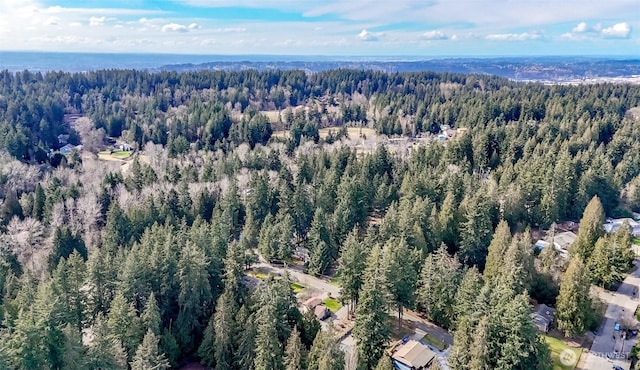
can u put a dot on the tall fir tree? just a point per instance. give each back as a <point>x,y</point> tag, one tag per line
<point>352,261</point>
<point>401,274</point>
<point>371,329</point>
<point>497,250</point>
<point>438,285</point>
<point>591,229</point>
<point>268,349</point>
<point>320,244</point>
<point>293,352</point>
<point>475,231</point>
<point>574,303</point>
<point>148,355</point>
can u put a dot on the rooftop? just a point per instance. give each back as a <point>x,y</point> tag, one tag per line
<point>414,354</point>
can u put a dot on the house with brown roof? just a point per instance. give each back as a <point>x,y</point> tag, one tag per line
<point>412,355</point>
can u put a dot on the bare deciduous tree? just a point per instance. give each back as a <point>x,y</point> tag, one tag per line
<point>92,138</point>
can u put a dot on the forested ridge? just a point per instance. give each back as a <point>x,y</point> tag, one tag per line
<point>142,265</point>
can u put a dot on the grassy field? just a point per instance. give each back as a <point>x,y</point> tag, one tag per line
<point>635,240</point>
<point>107,155</point>
<point>355,133</point>
<point>557,346</point>
<point>435,341</point>
<point>332,304</point>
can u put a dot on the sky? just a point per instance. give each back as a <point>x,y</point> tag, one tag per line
<point>324,27</point>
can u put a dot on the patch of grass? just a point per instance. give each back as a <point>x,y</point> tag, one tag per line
<point>258,275</point>
<point>556,346</point>
<point>121,154</point>
<point>635,240</point>
<point>297,288</point>
<point>332,304</point>
<point>435,341</point>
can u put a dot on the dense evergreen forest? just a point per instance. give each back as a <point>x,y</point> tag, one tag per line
<point>141,263</point>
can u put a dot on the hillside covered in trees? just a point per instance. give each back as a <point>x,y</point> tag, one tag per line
<point>141,263</point>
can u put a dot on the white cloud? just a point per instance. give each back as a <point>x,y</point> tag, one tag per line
<point>581,27</point>
<point>618,30</point>
<point>97,21</point>
<point>583,31</point>
<point>174,27</point>
<point>229,30</point>
<point>514,36</point>
<point>194,26</point>
<point>365,35</point>
<point>52,21</point>
<point>75,24</point>
<point>434,35</point>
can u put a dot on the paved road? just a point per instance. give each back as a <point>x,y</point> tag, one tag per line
<point>609,342</point>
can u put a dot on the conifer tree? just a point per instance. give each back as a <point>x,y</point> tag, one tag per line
<point>225,329</point>
<point>67,282</point>
<point>105,352</point>
<point>319,244</point>
<point>123,323</point>
<point>325,353</point>
<point>150,317</point>
<point>497,250</point>
<point>479,351</point>
<point>74,357</point>
<point>448,220</point>
<point>246,353</point>
<point>293,352</point>
<point>574,303</point>
<point>350,265</point>
<point>268,348</point>
<point>385,364</point>
<point>207,347</point>
<point>591,229</point>
<point>438,285</point>
<point>400,274</point>
<point>475,231</point>
<point>467,293</point>
<point>148,355</point>
<point>371,329</point>
<point>194,298</point>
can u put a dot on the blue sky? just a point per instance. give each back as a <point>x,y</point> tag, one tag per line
<point>325,27</point>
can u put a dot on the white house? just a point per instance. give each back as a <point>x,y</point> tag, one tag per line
<point>561,242</point>
<point>613,225</point>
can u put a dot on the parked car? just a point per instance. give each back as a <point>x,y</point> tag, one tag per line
<point>616,327</point>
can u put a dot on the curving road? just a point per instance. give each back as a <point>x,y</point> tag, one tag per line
<point>608,347</point>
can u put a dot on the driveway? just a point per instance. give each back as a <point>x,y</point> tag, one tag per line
<point>609,347</point>
<point>296,274</point>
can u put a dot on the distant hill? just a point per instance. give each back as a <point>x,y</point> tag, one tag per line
<point>544,69</point>
<point>552,69</point>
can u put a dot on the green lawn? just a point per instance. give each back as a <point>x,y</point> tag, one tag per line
<point>557,346</point>
<point>297,288</point>
<point>258,275</point>
<point>121,154</point>
<point>435,341</point>
<point>635,240</point>
<point>332,304</point>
